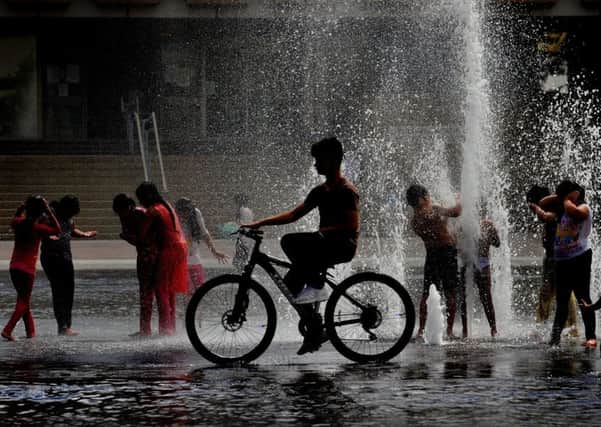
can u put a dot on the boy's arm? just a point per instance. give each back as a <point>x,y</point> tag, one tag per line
<point>579,213</point>
<point>86,234</point>
<point>549,202</point>
<point>452,212</point>
<point>542,214</point>
<point>282,218</point>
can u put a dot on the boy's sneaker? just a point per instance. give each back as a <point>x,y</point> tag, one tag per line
<point>313,343</point>
<point>310,295</point>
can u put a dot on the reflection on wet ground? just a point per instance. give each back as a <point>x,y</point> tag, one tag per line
<point>105,377</point>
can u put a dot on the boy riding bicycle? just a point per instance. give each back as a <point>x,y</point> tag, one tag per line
<point>335,242</point>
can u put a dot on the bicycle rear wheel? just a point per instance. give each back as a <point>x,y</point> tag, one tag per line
<point>369,317</point>
<point>230,320</point>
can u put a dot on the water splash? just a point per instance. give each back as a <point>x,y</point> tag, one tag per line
<point>435,322</point>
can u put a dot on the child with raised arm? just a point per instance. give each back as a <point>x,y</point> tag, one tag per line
<point>57,261</point>
<point>429,222</point>
<point>547,292</point>
<point>29,227</point>
<point>573,256</point>
<point>482,277</point>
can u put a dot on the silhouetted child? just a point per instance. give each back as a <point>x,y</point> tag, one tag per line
<point>57,261</point>
<point>482,278</point>
<point>429,222</point>
<point>29,226</point>
<point>546,296</point>
<point>573,257</point>
<point>131,218</point>
<point>161,229</point>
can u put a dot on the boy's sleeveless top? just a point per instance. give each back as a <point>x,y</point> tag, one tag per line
<point>571,237</point>
<point>61,246</point>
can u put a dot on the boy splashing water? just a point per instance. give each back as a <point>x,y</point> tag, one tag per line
<point>440,269</point>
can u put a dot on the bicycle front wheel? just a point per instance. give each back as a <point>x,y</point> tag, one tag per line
<point>369,317</point>
<point>231,320</point>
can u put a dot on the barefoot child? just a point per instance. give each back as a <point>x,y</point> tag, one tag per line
<point>131,218</point>
<point>429,222</point>
<point>29,227</point>
<point>573,256</point>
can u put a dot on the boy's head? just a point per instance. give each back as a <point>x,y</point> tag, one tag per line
<point>184,207</point>
<point>328,155</point>
<point>148,194</point>
<point>123,203</point>
<point>414,193</point>
<point>68,206</point>
<point>565,187</point>
<point>241,199</point>
<point>34,207</point>
<point>537,193</point>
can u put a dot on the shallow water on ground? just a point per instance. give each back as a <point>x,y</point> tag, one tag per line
<point>105,377</point>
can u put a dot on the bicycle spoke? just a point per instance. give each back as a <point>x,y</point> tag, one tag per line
<point>377,327</point>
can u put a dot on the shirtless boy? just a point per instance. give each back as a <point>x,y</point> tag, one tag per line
<point>440,269</point>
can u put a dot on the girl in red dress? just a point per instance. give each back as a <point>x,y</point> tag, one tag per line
<point>29,227</point>
<point>161,227</point>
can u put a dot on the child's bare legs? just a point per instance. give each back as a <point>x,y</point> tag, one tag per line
<point>451,303</point>
<point>423,314</point>
<point>482,279</point>
<point>463,302</point>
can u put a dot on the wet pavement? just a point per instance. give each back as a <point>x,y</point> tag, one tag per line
<point>105,377</point>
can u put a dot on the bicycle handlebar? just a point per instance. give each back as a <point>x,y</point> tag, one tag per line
<point>249,232</point>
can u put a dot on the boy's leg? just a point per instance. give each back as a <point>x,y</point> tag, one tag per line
<point>564,272</point>
<point>461,293</point>
<point>69,292</point>
<point>547,291</point>
<point>483,280</point>
<point>53,267</point>
<point>431,277</point>
<point>145,268</point>
<point>581,276</point>
<point>450,283</point>
<point>305,252</point>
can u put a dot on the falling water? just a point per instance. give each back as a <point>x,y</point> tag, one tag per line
<point>481,180</point>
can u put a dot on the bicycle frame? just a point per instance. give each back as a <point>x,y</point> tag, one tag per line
<point>267,263</point>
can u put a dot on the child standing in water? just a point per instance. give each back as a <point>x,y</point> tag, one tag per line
<point>573,256</point>
<point>29,227</point>
<point>429,222</point>
<point>482,278</point>
<point>57,262</point>
<point>131,218</point>
<point>547,292</point>
<point>194,229</point>
<point>161,229</point>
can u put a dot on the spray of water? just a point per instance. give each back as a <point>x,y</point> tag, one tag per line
<point>435,322</point>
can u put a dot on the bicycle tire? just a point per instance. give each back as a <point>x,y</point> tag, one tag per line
<point>207,325</point>
<point>391,303</point>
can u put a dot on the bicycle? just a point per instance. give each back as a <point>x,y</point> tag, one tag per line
<point>369,317</point>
